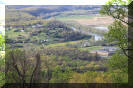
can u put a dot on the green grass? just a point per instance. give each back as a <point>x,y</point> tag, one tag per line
<point>91,48</point>
<point>67,18</point>
<point>13,35</point>
<point>74,42</point>
<point>63,44</point>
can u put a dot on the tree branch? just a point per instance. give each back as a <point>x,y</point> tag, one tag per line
<point>15,64</point>
<point>37,64</point>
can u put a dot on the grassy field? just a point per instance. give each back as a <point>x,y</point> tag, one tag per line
<point>63,44</point>
<point>68,18</point>
<point>91,48</point>
<point>88,20</point>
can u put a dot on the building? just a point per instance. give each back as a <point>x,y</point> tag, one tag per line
<point>106,51</point>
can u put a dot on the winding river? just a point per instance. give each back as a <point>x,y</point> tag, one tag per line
<point>96,36</point>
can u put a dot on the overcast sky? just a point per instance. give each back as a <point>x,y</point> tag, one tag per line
<point>53,2</point>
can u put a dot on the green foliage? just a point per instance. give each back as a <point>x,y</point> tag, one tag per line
<point>72,53</point>
<point>118,2</point>
<point>2,74</point>
<point>118,77</point>
<point>119,62</point>
<point>60,75</point>
<point>118,33</point>
<point>20,66</point>
<point>2,80</point>
<point>53,32</point>
<point>2,42</point>
<point>2,60</point>
<point>58,62</point>
<point>118,65</point>
<point>91,77</point>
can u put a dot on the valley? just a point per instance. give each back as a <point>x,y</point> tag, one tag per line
<point>66,44</point>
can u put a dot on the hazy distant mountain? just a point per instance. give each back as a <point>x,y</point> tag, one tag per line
<point>70,7</point>
<point>54,9</point>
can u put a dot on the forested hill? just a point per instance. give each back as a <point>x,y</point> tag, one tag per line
<point>63,44</point>
<point>48,11</point>
<point>27,24</point>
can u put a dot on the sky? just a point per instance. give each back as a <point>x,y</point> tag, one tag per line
<point>53,2</point>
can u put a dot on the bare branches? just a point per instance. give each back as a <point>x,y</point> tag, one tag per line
<point>15,64</point>
<point>38,62</point>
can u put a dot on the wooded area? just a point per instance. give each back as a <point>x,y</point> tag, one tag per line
<point>43,48</point>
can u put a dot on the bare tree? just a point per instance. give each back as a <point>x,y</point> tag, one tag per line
<point>36,72</point>
<point>20,65</point>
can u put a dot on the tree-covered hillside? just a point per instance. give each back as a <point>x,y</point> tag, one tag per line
<point>63,44</point>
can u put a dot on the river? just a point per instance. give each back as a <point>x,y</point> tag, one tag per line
<point>96,36</point>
